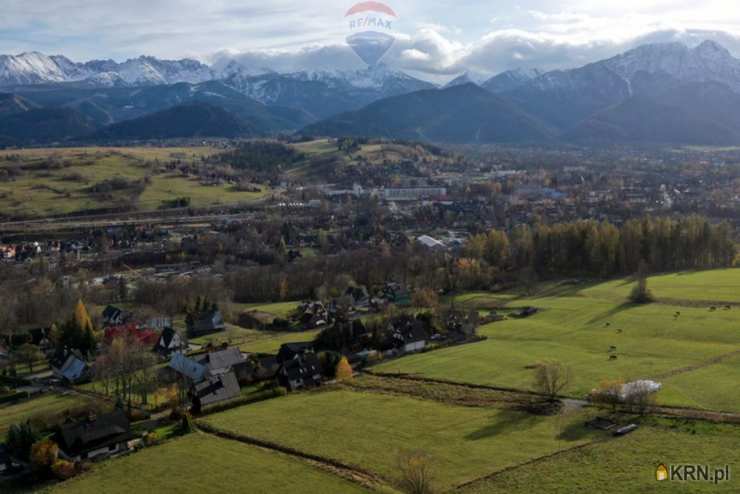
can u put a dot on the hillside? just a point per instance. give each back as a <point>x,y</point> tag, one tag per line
<point>42,125</point>
<point>190,120</point>
<point>460,114</point>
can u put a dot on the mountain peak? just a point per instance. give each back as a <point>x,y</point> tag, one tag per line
<point>709,48</point>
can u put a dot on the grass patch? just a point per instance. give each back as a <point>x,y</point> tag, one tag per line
<point>624,465</point>
<point>198,464</point>
<point>371,430</point>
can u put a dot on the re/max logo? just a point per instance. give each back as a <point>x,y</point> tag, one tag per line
<point>699,473</point>
<point>370,21</point>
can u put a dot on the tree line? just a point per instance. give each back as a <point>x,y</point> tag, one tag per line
<point>602,249</point>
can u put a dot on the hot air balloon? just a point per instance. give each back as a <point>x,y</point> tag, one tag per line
<point>370,30</point>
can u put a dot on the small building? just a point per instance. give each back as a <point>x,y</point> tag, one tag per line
<point>71,368</point>
<point>302,371</point>
<point>215,389</point>
<point>207,322</point>
<point>169,342</point>
<point>430,243</point>
<point>414,339</point>
<point>223,361</point>
<point>96,437</point>
<point>289,351</point>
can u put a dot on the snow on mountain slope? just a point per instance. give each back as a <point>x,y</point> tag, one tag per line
<point>29,68</point>
<point>510,80</point>
<point>37,68</point>
<point>707,62</point>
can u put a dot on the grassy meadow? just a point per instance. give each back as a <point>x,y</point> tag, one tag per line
<point>625,465</point>
<point>39,189</point>
<point>371,430</point>
<point>201,464</point>
<point>679,341</point>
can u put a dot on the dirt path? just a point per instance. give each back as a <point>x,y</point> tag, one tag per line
<point>357,475</point>
<point>527,463</point>
<point>574,402</point>
<point>695,367</point>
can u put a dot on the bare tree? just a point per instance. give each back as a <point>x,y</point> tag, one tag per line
<point>639,396</point>
<point>551,378</point>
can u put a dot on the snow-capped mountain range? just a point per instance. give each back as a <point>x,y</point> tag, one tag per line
<point>37,68</point>
<point>709,61</point>
<point>657,93</point>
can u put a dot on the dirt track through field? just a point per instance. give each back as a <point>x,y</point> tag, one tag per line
<point>530,462</point>
<point>691,368</point>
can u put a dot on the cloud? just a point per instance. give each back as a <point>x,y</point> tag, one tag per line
<point>436,39</point>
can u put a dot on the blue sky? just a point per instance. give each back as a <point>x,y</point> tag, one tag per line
<point>437,38</point>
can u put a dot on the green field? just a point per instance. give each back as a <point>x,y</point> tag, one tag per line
<point>201,464</point>
<point>254,341</point>
<point>371,430</point>
<point>626,465</point>
<point>40,190</point>
<point>578,325</point>
<point>51,406</point>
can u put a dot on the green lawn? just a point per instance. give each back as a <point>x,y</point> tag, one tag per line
<point>710,287</point>
<point>201,464</point>
<point>578,325</point>
<point>282,310</point>
<point>371,430</point>
<point>626,465</point>
<point>50,405</point>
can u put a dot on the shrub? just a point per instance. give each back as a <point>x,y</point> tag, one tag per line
<point>44,454</point>
<point>63,469</point>
<point>416,473</point>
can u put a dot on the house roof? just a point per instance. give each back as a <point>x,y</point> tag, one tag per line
<point>84,434</point>
<point>218,388</point>
<point>430,242</point>
<point>112,312</point>
<point>166,337</point>
<point>223,360</point>
<point>188,367</point>
<point>301,367</point>
<point>72,367</point>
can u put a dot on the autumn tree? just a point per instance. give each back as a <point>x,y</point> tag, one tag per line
<point>344,370</point>
<point>425,298</point>
<point>608,393</point>
<point>82,317</point>
<point>44,454</point>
